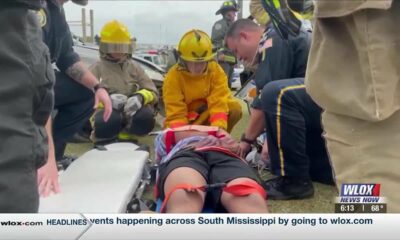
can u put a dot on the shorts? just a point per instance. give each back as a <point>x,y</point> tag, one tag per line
<point>215,167</point>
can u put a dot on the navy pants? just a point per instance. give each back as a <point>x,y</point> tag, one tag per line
<point>294,132</point>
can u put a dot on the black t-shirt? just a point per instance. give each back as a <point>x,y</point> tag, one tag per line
<point>57,36</point>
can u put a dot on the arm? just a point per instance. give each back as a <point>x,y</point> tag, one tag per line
<point>95,70</point>
<point>82,75</point>
<point>218,98</point>
<point>70,63</point>
<point>48,174</point>
<point>174,100</point>
<point>145,83</point>
<point>222,139</point>
<point>254,129</point>
<point>256,125</point>
<point>218,35</point>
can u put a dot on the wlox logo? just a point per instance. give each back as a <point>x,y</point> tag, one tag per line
<point>360,193</point>
<point>360,190</point>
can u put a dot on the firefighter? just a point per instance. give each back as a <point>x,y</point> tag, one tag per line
<point>354,53</point>
<point>225,57</point>
<point>195,90</point>
<point>133,93</point>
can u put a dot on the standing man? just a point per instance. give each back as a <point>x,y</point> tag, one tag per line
<point>77,91</point>
<point>27,98</point>
<point>225,57</point>
<point>355,53</point>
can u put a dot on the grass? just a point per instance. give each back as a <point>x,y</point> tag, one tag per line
<point>322,202</point>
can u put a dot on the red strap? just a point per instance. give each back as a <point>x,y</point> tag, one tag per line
<point>169,140</point>
<point>212,133</point>
<point>245,188</point>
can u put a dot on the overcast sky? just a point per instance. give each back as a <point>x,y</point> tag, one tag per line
<point>151,21</point>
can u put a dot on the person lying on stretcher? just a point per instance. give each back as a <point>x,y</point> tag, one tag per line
<point>198,165</point>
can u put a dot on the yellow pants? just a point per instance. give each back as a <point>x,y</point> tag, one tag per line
<point>234,115</point>
<point>366,152</point>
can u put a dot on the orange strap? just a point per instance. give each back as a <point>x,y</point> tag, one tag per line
<point>244,188</point>
<point>218,116</point>
<point>191,116</point>
<point>177,124</point>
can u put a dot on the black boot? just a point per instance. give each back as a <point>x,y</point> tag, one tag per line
<point>286,188</point>
<point>64,162</point>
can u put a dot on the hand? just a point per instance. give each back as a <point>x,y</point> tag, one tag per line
<point>221,57</point>
<point>133,104</point>
<point>229,143</point>
<point>101,96</point>
<point>244,149</point>
<point>47,178</point>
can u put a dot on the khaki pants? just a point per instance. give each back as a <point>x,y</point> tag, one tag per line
<point>366,152</point>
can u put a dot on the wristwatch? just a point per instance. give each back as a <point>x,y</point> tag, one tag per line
<point>100,85</point>
<point>246,140</point>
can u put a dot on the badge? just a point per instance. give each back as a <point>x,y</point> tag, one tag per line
<point>41,15</point>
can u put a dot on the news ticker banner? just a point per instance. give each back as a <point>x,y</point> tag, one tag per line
<point>199,226</point>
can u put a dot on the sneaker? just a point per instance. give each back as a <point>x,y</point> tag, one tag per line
<point>64,162</point>
<point>80,138</point>
<point>286,188</point>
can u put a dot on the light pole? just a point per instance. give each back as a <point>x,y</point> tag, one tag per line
<point>240,13</point>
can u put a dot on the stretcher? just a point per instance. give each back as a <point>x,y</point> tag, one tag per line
<point>103,180</point>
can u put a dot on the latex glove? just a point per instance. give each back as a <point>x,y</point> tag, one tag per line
<point>133,104</point>
<point>118,101</point>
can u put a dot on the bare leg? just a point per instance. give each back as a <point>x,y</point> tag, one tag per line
<point>182,201</point>
<point>253,203</point>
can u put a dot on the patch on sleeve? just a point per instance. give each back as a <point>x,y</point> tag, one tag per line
<point>41,15</point>
<point>267,44</point>
<point>218,26</point>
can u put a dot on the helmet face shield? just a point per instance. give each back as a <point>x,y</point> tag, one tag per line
<point>116,48</point>
<point>115,38</point>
